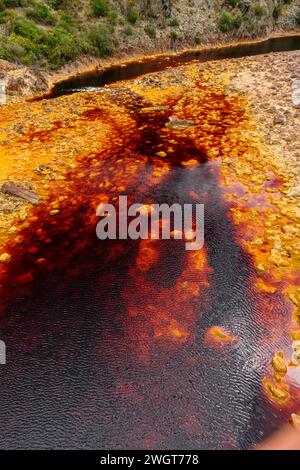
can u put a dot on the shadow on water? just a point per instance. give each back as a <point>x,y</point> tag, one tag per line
<point>134,69</point>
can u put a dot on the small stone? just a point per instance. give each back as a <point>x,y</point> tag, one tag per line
<point>278,259</point>
<point>5,258</point>
<point>296,93</point>
<point>265,286</point>
<point>295,420</point>
<point>162,154</point>
<point>54,212</point>
<point>279,119</point>
<point>23,216</point>
<point>279,394</point>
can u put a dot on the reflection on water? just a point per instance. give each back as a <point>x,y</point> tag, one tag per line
<point>134,69</point>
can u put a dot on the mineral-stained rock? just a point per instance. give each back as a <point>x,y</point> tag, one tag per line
<point>279,365</point>
<point>295,420</point>
<point>153,109</point>
<point>179,124</point>
<point>54,212</point>
<point>278,393</point>
<point>161,154</point>
<point>293,293</point>
<point>20,191</point>
<point>5,258</point>
<point>278,258</point>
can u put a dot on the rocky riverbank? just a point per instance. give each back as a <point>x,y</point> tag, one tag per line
<point>253,140</point>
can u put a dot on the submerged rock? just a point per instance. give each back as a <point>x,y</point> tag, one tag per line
<point>179,124</point>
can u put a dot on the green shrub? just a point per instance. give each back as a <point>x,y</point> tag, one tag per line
<point>2,5</point>
<point>113,17</point>
<point>151,31</point>
<point>174,35</point>
<point>132,14</point>
<point>63,47</point>
<point>277,11</point>
<point>4,54</point>
<point>298,17</point>
<point>174,23</point>
<point>24,49</point>
<point>100,37</point>
<point>226,22</point>
<point>42,14</point>
<point>61,4</point>
<point>16,3</point>
<point>27,45</point>
<point>237,21</point>
<point>152,14</point>
<point>26,28</point>
<point>232,3</point>
<point>100,8</point>
<point>198,40</point>
<point>259,10</point>
<point>66,21</point>
<point>128,31</point>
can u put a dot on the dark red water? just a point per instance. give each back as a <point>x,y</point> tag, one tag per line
<point>105,340</point>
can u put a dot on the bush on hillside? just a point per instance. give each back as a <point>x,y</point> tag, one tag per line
<point>226,22</point>
<point>277,11</point>
<point>27,29</point>
<point>259,10</point>
<point>132,14</point>
<point>99,8</point>
<point>42,14</point>
<point>100,37</point>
